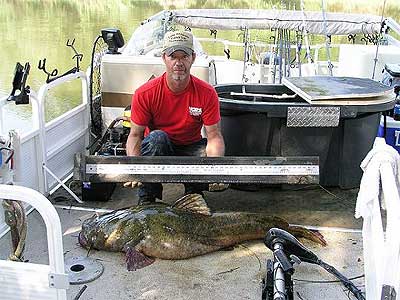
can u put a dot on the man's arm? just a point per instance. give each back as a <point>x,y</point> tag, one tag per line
<point>215,147</point>
<point>135,139</point>
<point>215,141</point>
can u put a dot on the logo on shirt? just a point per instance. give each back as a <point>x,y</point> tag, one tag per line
<point>195,111</point>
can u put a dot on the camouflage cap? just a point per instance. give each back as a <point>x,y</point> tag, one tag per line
<point>178,40</point>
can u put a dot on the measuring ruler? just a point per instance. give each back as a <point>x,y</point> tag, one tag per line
<point>293,170</point>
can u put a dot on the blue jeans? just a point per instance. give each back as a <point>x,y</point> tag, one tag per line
<point>157,143</point>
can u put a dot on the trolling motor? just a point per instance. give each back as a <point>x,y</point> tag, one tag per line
<point>278,284</point>
<point>20,92</point>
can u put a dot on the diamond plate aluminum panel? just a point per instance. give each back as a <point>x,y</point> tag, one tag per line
<point>298,116</point>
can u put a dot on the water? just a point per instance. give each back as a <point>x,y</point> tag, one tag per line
<point>34,30</point>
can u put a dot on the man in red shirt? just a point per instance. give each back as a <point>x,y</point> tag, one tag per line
<point>169,111</point>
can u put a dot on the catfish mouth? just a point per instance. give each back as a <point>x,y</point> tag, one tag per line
<point>83,240</point>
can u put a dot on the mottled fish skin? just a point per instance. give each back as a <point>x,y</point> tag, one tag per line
<point>169,233</point>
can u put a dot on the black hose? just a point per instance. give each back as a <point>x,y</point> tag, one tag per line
<point>92,120</point>
<point>11,151</point>
<point>103,138</point>
<point>346,282</point>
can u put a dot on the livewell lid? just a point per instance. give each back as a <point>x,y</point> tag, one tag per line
<point>324,89</point>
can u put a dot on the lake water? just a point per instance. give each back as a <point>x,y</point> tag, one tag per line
<point>34,30</point>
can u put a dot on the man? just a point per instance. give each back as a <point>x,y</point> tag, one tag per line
<point>169,111</point>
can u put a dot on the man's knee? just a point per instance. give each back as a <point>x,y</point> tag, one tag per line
<point>158,135</point>
<point>156,143</point>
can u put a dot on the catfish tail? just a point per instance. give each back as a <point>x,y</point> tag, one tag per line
<point>312,235</point>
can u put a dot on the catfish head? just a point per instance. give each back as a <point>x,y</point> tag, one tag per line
<point>111,231</point>
<point>88,236</point>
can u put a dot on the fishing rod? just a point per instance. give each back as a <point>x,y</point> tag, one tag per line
<point>327,39</point>
<point>280,53</point>
<point>283,53</point>
<point>275,55</point>
<point>286,47</point>
<point>288,53</point>
<point>305,32</point>
<point>246,55</point>
<point>377,43</point>
<point>299,41</point>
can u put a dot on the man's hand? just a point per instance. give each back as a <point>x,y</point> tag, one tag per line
<point>132,184</point>
<point>218,187</point>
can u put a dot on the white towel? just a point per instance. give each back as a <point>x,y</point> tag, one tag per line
<point>380,156</point>
<point>380,181</point>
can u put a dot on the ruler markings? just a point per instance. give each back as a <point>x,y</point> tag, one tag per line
<point>142,169</point>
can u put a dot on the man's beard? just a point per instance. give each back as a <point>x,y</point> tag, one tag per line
<point>178,77</point>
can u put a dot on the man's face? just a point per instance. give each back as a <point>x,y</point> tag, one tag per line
<point>178,64</point>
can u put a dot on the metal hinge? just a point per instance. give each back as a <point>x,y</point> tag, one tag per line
<point>58,281</point>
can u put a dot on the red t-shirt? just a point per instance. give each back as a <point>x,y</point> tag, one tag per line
<point>180,115</point>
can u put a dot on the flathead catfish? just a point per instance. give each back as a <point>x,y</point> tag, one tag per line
<point>183,230</point>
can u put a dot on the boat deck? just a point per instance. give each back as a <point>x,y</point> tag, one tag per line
<point>233,274</point>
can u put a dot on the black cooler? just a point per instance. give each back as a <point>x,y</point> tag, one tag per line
<point>335,118</point>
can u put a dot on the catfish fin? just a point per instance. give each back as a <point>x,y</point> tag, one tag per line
<point>312,235</point>
<point>136,260</point>
<point>194,203</point>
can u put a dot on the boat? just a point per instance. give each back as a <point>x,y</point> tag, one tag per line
<point>263,64</point>
<point>44,159</point>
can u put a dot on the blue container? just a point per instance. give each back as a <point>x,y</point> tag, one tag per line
<point>392,132</point>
